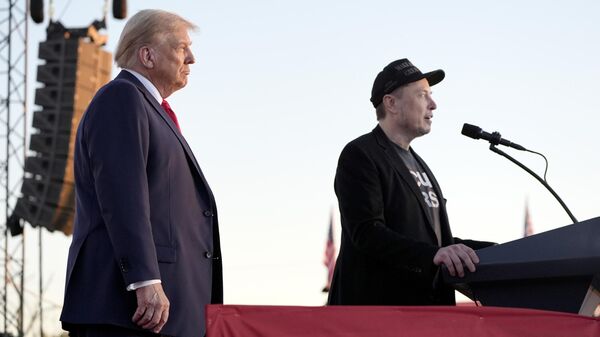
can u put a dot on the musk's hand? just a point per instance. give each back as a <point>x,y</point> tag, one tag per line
<point>454,257</point>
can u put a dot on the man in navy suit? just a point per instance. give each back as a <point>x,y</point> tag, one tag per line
<point>145,257</point>
<point>395,229</point>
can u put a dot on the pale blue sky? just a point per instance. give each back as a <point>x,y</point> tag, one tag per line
<point>280,87</point>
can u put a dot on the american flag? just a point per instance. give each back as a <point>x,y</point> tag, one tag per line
<point>329,256</point>
<point>528,226</point>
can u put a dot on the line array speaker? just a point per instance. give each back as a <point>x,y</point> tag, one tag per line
<point>74,69</point>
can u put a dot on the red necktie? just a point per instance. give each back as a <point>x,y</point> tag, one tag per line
<point>165,105</point>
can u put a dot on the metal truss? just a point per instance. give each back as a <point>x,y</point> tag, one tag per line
<point>13,117</point>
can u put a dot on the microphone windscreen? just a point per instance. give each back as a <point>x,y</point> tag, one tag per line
<point>472,131</point>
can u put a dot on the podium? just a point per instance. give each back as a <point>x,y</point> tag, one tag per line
<point>558,270</point>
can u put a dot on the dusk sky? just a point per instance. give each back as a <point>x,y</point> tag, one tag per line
<point>279,87</point>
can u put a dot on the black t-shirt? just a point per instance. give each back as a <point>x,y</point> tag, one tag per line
<point>429,196</point>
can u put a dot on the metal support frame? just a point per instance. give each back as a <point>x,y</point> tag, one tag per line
<point>13,120</point>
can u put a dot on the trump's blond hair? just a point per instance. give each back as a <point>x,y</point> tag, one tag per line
<point>146,27</point>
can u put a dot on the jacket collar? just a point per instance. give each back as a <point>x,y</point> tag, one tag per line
<point>152,89</point>
<point>127,76</point>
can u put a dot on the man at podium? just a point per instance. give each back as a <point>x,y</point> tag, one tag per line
<point>396,233</point>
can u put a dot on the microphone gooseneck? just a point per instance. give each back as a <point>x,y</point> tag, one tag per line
<point>494,138</point>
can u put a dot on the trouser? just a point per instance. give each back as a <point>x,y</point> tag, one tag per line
<point>88,330</point>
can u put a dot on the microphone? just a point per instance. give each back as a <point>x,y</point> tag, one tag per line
<point>495,138</point>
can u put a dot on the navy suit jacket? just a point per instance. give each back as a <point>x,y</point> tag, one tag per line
<point>143,211</point>
<point>388,242</point>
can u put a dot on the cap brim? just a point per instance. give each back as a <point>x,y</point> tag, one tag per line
<point>434,77</point>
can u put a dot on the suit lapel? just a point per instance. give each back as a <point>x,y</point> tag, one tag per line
<point>403,172</point>
<point>161,112</point>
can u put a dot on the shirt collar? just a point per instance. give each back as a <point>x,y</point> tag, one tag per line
<point>147,84</point>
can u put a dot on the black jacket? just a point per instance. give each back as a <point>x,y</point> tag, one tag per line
<point>388,242</point>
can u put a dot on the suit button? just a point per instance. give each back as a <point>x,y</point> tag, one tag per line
<point>208,255</point>
<point>208,213</point>
<point>124,265</point>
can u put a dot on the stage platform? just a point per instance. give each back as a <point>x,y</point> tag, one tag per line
<point>367,321</point>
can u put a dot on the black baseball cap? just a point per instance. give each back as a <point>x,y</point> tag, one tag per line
<point>397,74</point>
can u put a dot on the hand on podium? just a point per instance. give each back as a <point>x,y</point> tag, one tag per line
<point>455,258</point>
